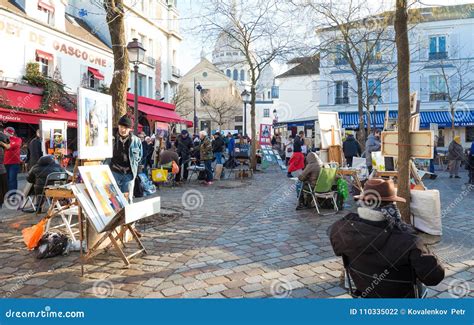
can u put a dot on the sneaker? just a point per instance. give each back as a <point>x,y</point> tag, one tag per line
<point>457,177</point>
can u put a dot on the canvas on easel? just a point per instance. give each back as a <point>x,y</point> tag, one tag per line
<point>330,129</point>
<point>422,144</point>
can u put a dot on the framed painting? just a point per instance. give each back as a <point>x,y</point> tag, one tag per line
<point>53,137</point>
<point>104,192</point>
<point>94,116</point>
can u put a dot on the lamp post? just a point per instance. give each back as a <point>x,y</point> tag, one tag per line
<point>374,99</point>
<point>197,87</point>
<point>136,55</point>
<point>245,98</point>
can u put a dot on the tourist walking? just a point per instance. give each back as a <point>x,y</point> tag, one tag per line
<point>455,157</point>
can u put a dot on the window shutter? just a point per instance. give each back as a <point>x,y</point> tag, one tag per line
<point>453,50</point>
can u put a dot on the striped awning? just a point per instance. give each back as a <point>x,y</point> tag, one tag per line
<point>350,120</point>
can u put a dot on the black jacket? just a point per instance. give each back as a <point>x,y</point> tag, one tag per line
<point>218,145</point>
<point>373,248</point>
<point>38,174</point>
<point>351,147</point>
<point>297,144</point>
<point>184,146</point>
<point>34,152</point>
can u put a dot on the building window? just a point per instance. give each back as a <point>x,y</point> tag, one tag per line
<point>275,92</point>
<point>235,75</point>
<point>150,87</point>
<point>376,54</point>
<point>239,119</point>
<point>437,88</point>
<point>341,50</point>
<point>266,112</point>
<point>141,85</point>
<point>269,94</point>
<point>342,92</point>
<point>469,134</point>
<point>242,75</point>
<point>45,61</point>
<point>375,88</point>
<point>438,48</point>
<point>205,96</point>
<point>47,11</point>
<point>228,73</point>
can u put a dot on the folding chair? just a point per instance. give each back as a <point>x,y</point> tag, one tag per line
<point>195,169</point>
<point>66,217</point>
<point>53,179</point>
<point>418,290</point>
<point>323,190</point>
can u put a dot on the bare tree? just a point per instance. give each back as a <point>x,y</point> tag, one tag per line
<point>115,17</point>
<point>457,83</point>
<point>258,32</point>
<point>221,106</point>
<point>403,78</point>
<point>182,99</point>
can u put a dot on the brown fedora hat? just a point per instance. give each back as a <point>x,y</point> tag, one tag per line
<point>380,189</point>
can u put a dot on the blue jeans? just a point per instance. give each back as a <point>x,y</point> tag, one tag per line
<point>208,166</point>
<point>126,183</point>
<point>12,174</point>
<point>218,156</point>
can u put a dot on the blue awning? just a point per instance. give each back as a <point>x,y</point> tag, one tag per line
<point>350,120</point>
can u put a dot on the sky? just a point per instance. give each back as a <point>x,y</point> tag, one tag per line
<point>191,46</point>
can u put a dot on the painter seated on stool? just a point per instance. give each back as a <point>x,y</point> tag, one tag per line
<point>376,241</point>
<point>45,166</point>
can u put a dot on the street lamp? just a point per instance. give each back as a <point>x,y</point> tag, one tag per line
<point>136,55</point>
<point>374,99</point>
<point>198,87</point>
<point>245,98</point>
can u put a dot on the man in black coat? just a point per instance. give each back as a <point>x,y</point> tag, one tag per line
<point>38,174</point>
<point>184,144</point>
<point>35,152</point>
<point>298,142</point>
<point>380,249</point>
<point>351,149</point>
<point>218,146</point>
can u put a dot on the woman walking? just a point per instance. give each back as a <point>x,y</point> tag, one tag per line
<point>455,157</point>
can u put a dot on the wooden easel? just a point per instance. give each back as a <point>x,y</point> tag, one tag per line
<point>334,151</point>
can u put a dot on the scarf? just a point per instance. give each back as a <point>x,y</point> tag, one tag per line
<point>393,217</point>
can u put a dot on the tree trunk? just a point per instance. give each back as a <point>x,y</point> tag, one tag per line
<point>361,135</point>
<point>118,88</point>
<point>403,78</point>
<point>253,151</point>
<point>452,119</point>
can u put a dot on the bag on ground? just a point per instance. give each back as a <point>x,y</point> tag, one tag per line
<point>147,185</point>
<point>52,244</point>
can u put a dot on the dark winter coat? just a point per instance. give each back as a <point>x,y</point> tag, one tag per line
<point>311,171</point>
<point>218,145</point>
<point>351,147</point>
<point>35,152</point>
<point>38,174</point>
<point>455,151</point>
<point>184,146</point>
<point>371,247</point>
<point>297,144</point>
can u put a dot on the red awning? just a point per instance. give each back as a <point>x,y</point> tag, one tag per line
<point>45,5</point>
<point>96,73</point>
<point>44,55</point>
<point>31,101</point>
<point>157,110</point>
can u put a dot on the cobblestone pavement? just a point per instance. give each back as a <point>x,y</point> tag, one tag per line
<point>232,239</point>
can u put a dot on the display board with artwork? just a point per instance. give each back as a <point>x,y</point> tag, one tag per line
<point>54,138</point>
<point>94,125</point>
<point>265,133</point>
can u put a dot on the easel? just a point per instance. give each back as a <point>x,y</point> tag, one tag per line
<point>419,185</point>
<point>334,152</point>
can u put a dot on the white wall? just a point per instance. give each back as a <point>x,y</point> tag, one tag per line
<point>299,97</point>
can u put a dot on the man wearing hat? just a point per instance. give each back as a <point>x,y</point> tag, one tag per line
<point>127,154</point>
<point>184,145</point>
<point>377,244</point>
<point>12,160</point>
